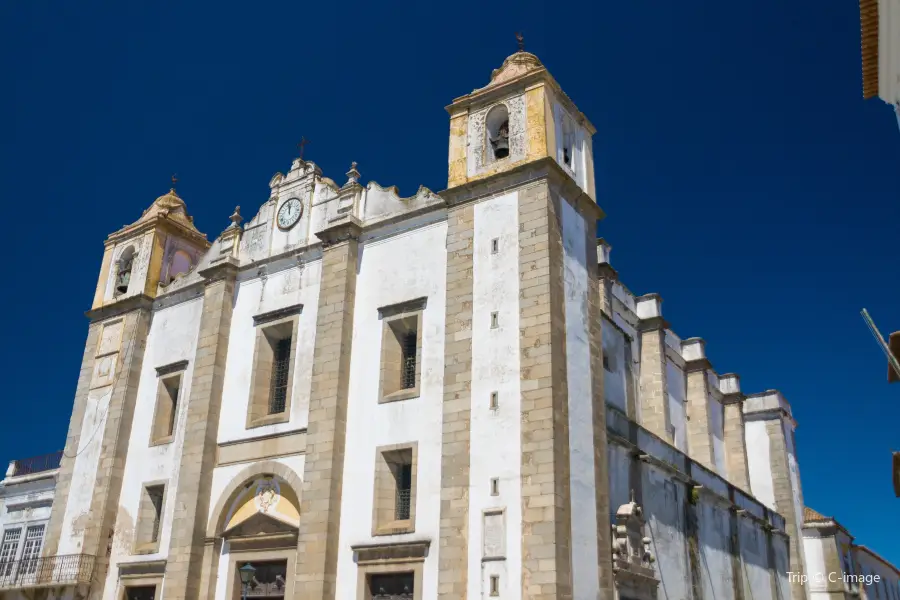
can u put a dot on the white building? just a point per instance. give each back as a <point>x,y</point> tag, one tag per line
<point>880,38</point>
<point>830,552</point>
<point>26,496</point>
<point>443,396</point>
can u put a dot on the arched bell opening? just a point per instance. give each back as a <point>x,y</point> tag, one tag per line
<point>497,131</point>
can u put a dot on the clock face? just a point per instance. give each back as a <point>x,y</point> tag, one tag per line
<point>289,213</point>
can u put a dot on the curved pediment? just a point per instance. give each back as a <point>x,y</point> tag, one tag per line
<point>264,503</point>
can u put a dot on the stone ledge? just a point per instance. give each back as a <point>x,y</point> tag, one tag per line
<point>415,550</point>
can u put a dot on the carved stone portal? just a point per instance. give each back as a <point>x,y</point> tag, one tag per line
<point>633,562</point>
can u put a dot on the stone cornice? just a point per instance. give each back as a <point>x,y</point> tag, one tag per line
<point>120,307</point>
<point>733,398</point>
<point>698,364</point>
<point>341,230</point>
<point>278,313</point>
<point>414,550</point>
<point>606,271</point>
<point>542,169</point>
<point>170,368</point>
<point>652,324</point>
<point>224,269</point>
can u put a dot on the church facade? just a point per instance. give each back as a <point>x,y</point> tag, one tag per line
<point>360,396</point>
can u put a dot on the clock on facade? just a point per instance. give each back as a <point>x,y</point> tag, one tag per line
<point>289,213</point>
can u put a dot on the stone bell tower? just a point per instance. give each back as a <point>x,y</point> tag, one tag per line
<point>139,262</point>
<point>153,250</point>
<point>523,335</point>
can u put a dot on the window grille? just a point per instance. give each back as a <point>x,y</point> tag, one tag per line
<point>404,490</point>
<point>8,549</point>
<point>31,550</point>
<point>392,586</point>
<point>280,368</point>
<point>408,361</point>
<point>156,498</point>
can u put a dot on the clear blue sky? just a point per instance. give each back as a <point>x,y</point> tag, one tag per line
<point>744,177</point>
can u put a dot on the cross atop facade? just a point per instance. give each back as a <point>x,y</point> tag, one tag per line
<point>302,145</point>
<point>521,39</point>
<point>174,181</point>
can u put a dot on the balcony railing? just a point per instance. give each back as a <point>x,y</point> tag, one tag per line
<point>265,590</point>
<point>46,571</point>
<point>35,464</point>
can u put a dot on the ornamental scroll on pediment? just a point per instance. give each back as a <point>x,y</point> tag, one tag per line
<point>633,561</point>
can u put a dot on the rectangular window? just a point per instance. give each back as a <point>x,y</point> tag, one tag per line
<point>140,592</point>
<point>8,549</point>
<point>163,426</point>
<point>281,367</point>
<point>408,360</point>
<point>390,586</point>
<point>395,490</point>
<point>31,550</point>
<point>403,480</point>
<point>273,372</point>
<point>495,400</point>
<point>495,585</point>
<point>495,245</point>
<point>495,320</point>
<point>150,516</point>
<point>269,579</point>
<point>495,486</point>
<point>401,350</point>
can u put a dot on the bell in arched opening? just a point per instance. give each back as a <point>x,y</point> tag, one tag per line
<point>123,274</point>
<point>497,125</point>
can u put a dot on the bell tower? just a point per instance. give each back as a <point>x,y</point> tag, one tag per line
<point>523,343</point>
<point>521,116</point>
<point>152,251</point>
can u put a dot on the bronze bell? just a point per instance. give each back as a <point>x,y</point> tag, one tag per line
<point>500,144</point>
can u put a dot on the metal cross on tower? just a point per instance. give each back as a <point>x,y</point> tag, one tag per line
<point>302,145</point>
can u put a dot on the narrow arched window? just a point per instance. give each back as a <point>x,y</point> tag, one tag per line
<point>123,272</point>
<point>497,131</point>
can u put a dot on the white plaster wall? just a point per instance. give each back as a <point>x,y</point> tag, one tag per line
<point>614,387</point>
<point>84,472</point>
<point>583,488</point>
<point>888,585</point>
<point>782,565</point>
<point>579,158</point>
<point>717,427</point>
<point>754,556</point>
<point>796,490</point>
<point>759,463</point>
<point>814,552</point>
<point>495,442</point>
<point>396,269</point>
<point>675,383</point>
<point>278,289</point>
<point>619,477</point>
<point>715,556</point>
<point>664,507</point>
<point>172,337</point>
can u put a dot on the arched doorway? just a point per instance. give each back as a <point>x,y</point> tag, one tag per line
<point>255,523</point>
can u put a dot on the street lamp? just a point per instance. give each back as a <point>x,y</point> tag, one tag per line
<point>246,572</point>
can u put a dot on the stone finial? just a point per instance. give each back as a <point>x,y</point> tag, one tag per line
<point>520,39</point>
<point>603,250</point>
<point>648,306</point>
<point>693,348</point>
<point>730,383</point>
<point>352,174</point>
<point>11,470</point>
<point>236,217</point>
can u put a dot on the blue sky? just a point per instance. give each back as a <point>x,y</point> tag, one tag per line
<point>744,177</point>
